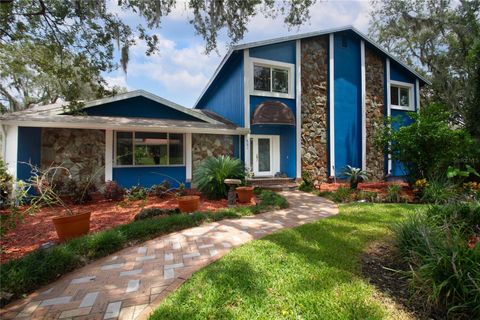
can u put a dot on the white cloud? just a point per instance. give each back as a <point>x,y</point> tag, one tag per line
<point>118,80</point>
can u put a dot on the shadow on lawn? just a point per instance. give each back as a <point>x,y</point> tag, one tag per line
<point>286,269</point>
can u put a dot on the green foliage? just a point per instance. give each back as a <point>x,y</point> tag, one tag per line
<point>439,191</point>
<point>355,176</point>
<point>80,191</point>
<point>6,186</point>
<point>452,57</point>
<point>70,45</point>
<point>44,266</point>
<point>445,268</point>
<point>147,213</point>
<point>160,190</point>
<point>307,184</point>
<point>342,194</point>
<point>369,196</point>
<point>137,193</point>
<point>428,146</point>
<point>210,175</point>
<point>394,193</point>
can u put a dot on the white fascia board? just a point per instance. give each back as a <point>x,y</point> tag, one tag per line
<point>331,80</point>
<point>389,112</point>
<point>364,107</point>
<point>103,126</point>
<point>298,107</point>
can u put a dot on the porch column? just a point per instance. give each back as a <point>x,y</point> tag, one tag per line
<point>188,157</point>
<point>108,155</point>
<point>11,149</point>
<point>332,103</point>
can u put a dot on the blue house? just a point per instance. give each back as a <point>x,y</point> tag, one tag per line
<point>304,103</point>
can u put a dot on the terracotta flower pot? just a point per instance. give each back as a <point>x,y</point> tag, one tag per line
<point>69,227</point>
<point>188,203</point>
<point>245,194</point>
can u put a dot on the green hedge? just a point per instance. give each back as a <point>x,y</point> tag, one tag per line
<point>41,267</point>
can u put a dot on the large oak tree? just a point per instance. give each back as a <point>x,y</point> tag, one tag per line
<point>58,49</point>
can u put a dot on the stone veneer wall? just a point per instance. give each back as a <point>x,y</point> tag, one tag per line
<point>374,102</point>
<point>79,150</point>
<point>206,145</point>
<point>314,79</point>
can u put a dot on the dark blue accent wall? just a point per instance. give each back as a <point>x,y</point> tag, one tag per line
<point>148,176</point>
<point>401,119</point>
<point>225,95</point>
<point>139,107</point>
<point>284,52</point>
<point>29,146</point>
<point>287,134</point>
<point>347,95</point>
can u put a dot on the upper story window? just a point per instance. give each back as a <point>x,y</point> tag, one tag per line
<point>272,78</point>
<point>401,96</point>
<point>148,149</point>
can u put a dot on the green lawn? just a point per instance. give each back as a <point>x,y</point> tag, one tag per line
<point>310,272</point>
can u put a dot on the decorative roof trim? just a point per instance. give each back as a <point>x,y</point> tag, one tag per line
<point>302,36</point>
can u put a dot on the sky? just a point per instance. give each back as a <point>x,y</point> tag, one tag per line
<point>181,69</point>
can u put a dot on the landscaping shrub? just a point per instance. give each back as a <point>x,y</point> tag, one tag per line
<point>342,194</point>
<point>160,190</point>
<point>442,246</point>
<point>428,146</point>
<point>307,184</point>
<point>394,194</point>
<point>40,267</point>
<point>113,191</point>
<point>369,196</point>
<point>355,176</point>
<point>137,193</point>
<point>439,191</point>
<point>6,186</point>
<point>210,175</point>
<point>147,213</point>
<point>79,191</point>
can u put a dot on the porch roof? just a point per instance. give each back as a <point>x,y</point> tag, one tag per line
<point>46,119</point>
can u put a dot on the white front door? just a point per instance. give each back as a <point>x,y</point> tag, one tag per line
<point>264,155</point>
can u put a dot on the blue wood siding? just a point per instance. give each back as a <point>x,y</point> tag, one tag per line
<point>284,52</point>
<point>402,119</point>
<point>148,176</point>
<point>139,107</point>
<point>225,95</point>
<point>287,134</point>
<point>399,73</point>
<point>29,146</point>
<point>347,104</point>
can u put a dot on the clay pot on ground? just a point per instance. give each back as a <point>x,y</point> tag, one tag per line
<point>188,203</point>
<point>245,194</point>
<point>69,227</point>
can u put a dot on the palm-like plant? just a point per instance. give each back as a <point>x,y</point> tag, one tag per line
<point>355,176</point>
<point>210,175</point>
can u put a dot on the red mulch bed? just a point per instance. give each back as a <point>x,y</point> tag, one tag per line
<point>35,230</point>
<point>379,187</point>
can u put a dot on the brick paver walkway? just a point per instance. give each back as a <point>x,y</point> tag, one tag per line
<point>132,282</point>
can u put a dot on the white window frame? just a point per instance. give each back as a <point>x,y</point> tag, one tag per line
<point>289,67</point>
<point>405,85</point>
<point>133,165</point>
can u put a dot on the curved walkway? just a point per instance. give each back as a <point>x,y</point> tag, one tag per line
<point>132,282</point>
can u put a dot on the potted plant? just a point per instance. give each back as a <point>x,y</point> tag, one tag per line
<point>186,203</point>
<point>245,192</point>
<point>42,192</point>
